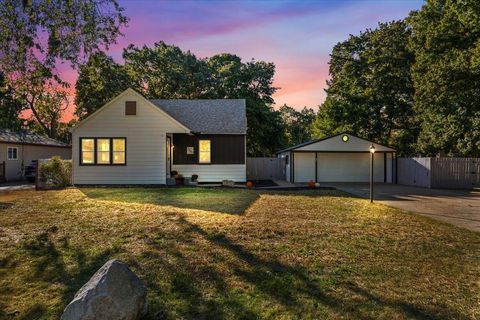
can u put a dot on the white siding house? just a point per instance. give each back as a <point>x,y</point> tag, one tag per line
<point>147,157</point>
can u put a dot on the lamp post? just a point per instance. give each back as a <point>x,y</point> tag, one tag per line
<point>372,152</point>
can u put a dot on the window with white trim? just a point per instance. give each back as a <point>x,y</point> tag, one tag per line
<point>12,153</point>
<point>204,151</point>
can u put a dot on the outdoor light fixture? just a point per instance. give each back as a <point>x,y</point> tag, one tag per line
<point>345,138</point>
<point>372,151</point>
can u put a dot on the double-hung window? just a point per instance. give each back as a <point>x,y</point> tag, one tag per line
<point>102,151</point>
<point>204,151</point>
<point>12,153</point>
<point>118,151</point>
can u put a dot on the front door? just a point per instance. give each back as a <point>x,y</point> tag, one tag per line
<point>169,156</point>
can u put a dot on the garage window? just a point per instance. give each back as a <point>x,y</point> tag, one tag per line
<point>12,153</point>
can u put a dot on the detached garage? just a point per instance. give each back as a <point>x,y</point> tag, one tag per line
<point>340,158</point>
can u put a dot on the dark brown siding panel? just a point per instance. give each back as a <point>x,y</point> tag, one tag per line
<point>180,143</point>
<point>226,149</point>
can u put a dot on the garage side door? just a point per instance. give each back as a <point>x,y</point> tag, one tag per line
<point>348,167</point>
<point>304,164</point>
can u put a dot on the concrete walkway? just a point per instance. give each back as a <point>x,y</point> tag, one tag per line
<point>458,207</point>
<point>14,186</point>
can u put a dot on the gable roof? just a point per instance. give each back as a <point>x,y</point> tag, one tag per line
<point>304,144</point>
<point>25,137</point>
<point>207,116</point>
<point>127,91</point>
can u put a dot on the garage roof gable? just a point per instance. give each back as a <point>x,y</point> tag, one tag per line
<point>343,142</point>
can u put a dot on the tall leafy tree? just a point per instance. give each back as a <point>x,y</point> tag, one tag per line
<point>10,108</point>
<point>370,92</point>
<point>446,76</point>
<point>37,35</point>
<point>252,81</point>
<point>165,71</point>
<point>298,124</point>
<point>99,81</point>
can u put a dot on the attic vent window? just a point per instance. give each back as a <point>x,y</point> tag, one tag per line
<point>130,108</point>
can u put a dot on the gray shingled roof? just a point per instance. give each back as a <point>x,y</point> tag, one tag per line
<point>214,116</point>
<point>25,137</point>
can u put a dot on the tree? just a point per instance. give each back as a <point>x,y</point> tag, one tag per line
<point>252,81</point>
<point>37,35</point>
<point>446,76</point>
<point>298,124</point>
<point>370,92</point>
<point>10,108</point>
<point>51,101</point>
<point>99,81</point>
<point>167,72</point>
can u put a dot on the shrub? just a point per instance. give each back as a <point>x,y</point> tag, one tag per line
<point>194,177</point>
<point>56,172</point>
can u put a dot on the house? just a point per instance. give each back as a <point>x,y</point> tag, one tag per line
<point>132,140</point>
<point>339,158</point>
<point>19,148</point>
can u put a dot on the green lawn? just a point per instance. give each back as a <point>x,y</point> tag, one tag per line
<point>237,254</point>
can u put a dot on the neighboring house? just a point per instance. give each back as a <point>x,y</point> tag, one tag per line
<point>132,140</point>
<point>339,158</point>
<point>19,148</point>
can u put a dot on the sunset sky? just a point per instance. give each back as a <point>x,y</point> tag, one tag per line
<point>297,36</point>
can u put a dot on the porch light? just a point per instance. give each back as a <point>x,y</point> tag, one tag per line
<point>372,148</point>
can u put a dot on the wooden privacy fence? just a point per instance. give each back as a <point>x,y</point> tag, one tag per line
<point>462,173</point>
<point>455,173</point>
<point>265,168</point>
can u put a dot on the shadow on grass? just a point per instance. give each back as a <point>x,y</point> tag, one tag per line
<point>231,201</point>
<point>224,200</point>
<point>49,266</point>
<point>196,272</point>
<point>292,287</point>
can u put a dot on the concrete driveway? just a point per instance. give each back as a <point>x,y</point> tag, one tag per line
<point>458,207</point>
<point>15,186</point>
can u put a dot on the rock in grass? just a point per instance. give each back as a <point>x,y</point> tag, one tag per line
<point>114,292</point>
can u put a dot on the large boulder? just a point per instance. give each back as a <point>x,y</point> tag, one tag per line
<point>114,292</point>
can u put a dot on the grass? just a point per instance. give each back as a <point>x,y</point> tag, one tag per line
<point>226,200</point>
<point>288,255</point>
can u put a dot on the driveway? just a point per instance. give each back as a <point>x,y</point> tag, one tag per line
<point>458,207</point>
<point>15,186</point>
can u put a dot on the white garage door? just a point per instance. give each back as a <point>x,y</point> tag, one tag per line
<point>348,167</point>
<point>304,164</point>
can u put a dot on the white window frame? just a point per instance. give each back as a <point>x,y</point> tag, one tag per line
<point>8,153</point>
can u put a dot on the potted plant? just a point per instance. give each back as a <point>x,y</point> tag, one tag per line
<point>179,180</point>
